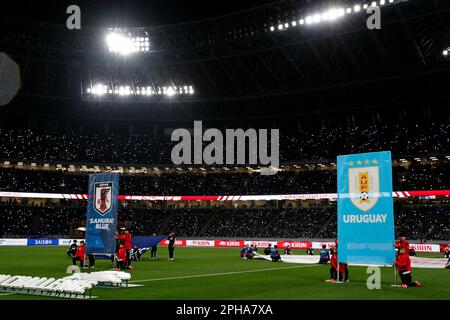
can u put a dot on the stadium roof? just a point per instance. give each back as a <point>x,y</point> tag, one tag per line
<point>238,66</point>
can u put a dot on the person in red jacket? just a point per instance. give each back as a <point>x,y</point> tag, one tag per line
<point>403,265</point>
<point>126,239</point>
<point>334,265</point>
<point>121,258</point>
<point>341,268</point>
<point>80,255</point>
<point>401,242</point>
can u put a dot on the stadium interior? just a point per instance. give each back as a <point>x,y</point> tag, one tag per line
<point>331,88</point>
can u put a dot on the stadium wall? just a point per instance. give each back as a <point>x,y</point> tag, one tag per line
<point>317,244</point>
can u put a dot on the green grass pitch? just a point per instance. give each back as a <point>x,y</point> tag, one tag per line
<point>217,273</point>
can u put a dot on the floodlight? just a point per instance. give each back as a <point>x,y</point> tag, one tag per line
<point>170,91</point>
<point>317,18</point>
<point>119,44</point>
<point>122,44</point>
<point>332,14</point>
<point>99,89</point>
<point>127,90</point>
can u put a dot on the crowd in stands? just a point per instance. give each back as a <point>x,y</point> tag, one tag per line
<point>417,177</point>
<point>108,146</point>
<point>100,146</point>
<point>51,221</point>
<point>281,223</point>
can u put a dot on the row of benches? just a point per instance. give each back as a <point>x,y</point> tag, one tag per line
<point>78,285</point>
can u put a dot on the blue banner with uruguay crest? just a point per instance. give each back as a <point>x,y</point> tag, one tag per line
<point>365,208</point>
<point>101,222</point>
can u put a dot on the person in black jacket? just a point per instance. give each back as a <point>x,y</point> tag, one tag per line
<point>275,255</point>
<point>136,253</point>
<point>171,245</point>
<point>154,251</point>
<point>447,253</point>
<point>73,249</point>
<point>268,250</point>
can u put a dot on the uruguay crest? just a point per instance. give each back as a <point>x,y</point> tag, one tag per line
<point>103,197</point>
<point>364,186</point>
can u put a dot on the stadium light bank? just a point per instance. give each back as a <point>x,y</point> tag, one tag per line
<point>331,15</point>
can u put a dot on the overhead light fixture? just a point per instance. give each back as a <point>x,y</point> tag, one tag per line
<point>170,91</point>
<point>333,14</point>
<point>317,18</point>
<point>123,44</point>
<point>127,90</point>
<point>98,89</point>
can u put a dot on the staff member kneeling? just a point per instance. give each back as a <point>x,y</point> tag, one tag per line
<point>121,256</point>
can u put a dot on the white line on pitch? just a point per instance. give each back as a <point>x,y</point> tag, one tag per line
<point>223,273</point>
<point>6,294</point>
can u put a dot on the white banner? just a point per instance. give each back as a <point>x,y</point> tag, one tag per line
<point>67,242</point>
<point>200,243</point>
<point>318,245</point>
<point>426,247</point>
<point>13,242</point>
<point>221,243</point>
<point>260,244</point>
